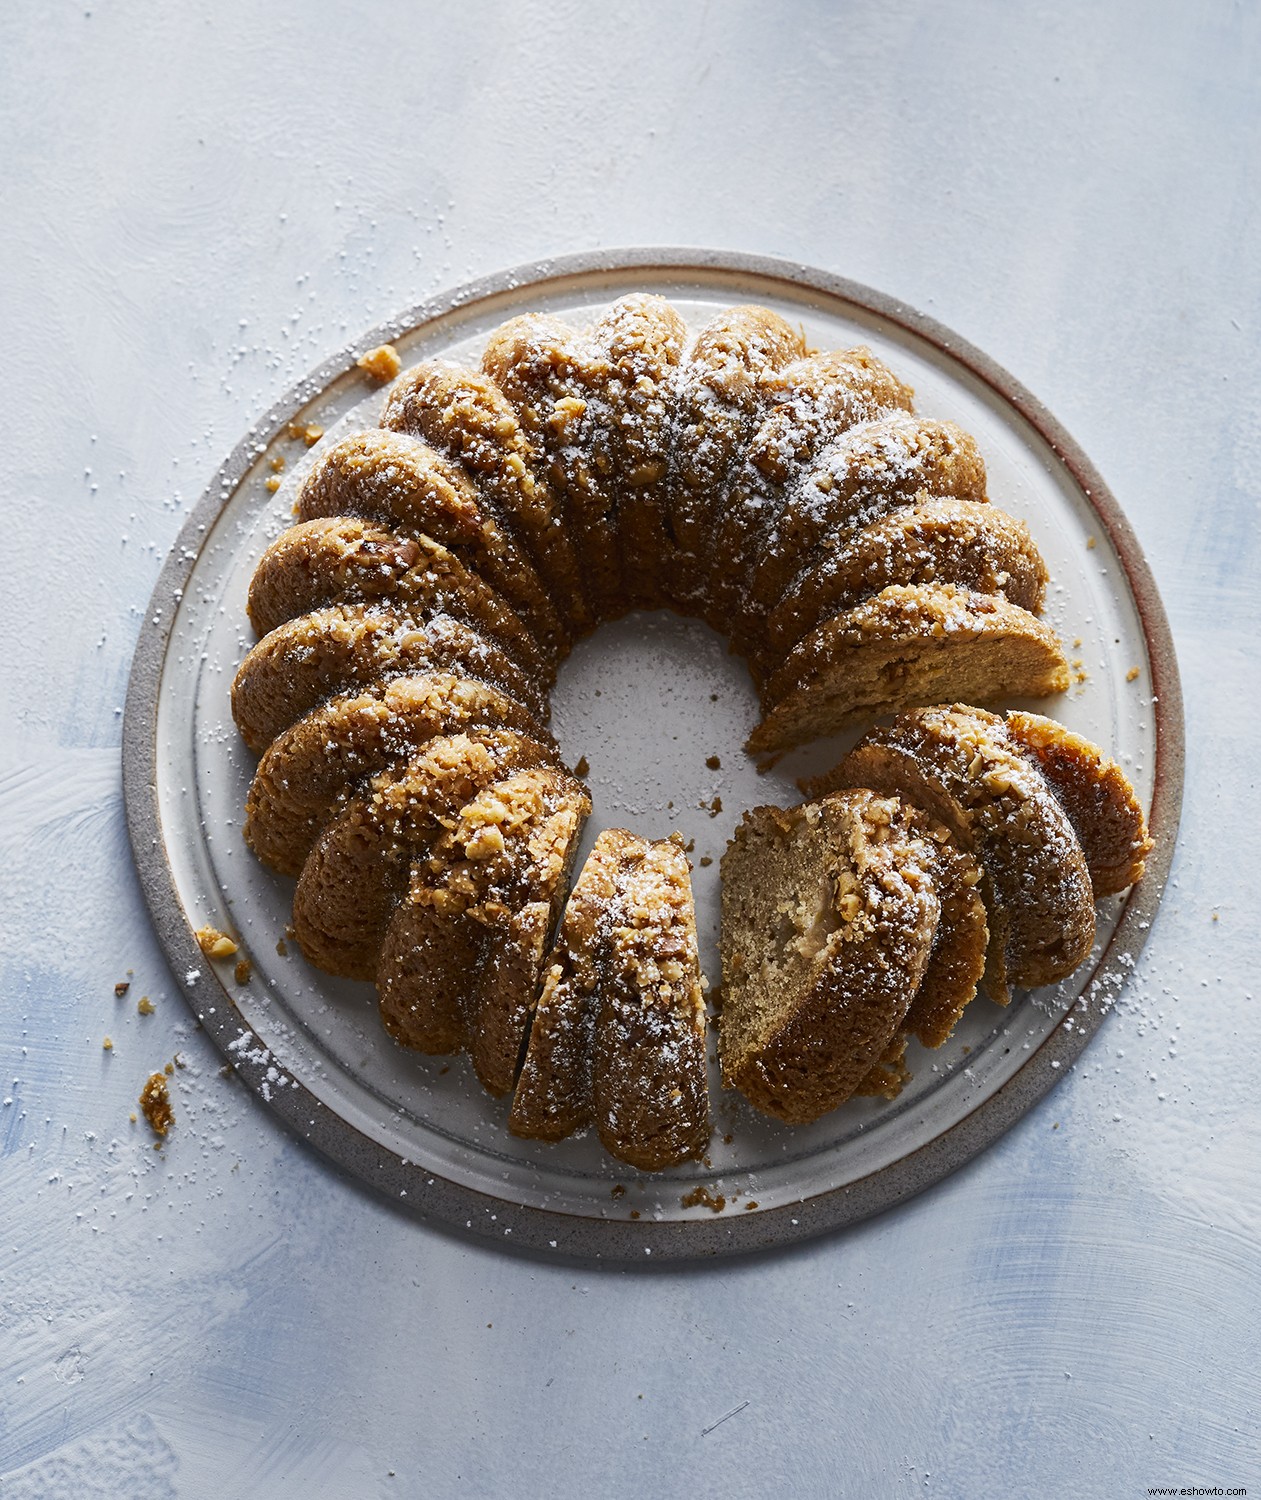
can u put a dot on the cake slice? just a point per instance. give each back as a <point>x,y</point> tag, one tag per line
<point>354,646</point>
<point>361,863</point>
<point>464,415</point>
<point>308,771</point>
<point>342,560</point>
<point>649,1090</point>
<point>958,763</point>
<point>907,645</point>
<point>552,1098</point>
<point>397,481</point>
<point>556,379</point>
<point>874,468</point>
<point>934,541</point>
<point>829,914</point>
<point>642,337</point>
<point>1095,793</point>
<point>718,399</point>
<point>461,961</point>
<point>810,403</point>
<point>619,1033</point>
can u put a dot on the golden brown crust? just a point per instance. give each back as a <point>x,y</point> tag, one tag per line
<point>906,646</point>
<point>935,541</point>
<point>1095,793</point>
<point>402,484</point>
<point>317,763</point>
<point>464,414</point>
<point>347,647</point>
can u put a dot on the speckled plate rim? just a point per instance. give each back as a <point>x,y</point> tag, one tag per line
<point>645,1242</point>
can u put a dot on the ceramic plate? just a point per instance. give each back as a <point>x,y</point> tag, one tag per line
<point>651,702</point>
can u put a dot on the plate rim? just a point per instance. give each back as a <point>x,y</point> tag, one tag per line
<point>490,1219</point>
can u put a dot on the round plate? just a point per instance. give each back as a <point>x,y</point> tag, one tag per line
<point>651,702</point>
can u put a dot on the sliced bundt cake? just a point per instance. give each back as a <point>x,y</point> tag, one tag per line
<point>412,620</point>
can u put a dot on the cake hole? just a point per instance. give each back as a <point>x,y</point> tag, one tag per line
<point>649,701</point>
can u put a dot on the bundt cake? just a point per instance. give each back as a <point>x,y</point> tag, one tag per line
<point>442,565</point>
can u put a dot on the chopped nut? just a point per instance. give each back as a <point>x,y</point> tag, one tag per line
<point>155,1104</point>
<point>305,432</point>
<point>713,762</point>
<point>215,944</point>
<point>121,988</point>
<point>272,484</point>
<point>382,363</point>
<point>583,768</point>
<point>705,861</point>
<point>277,463</point>
<point>1132,675</point>
<point>244,968</point>
<point>107,1045</point>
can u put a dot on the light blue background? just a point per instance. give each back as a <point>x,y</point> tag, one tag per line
<point>199,203</point>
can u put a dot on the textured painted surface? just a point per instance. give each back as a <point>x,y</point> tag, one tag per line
<point>202,201</point>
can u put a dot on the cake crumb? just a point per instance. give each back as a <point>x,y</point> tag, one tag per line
<point>121,988</point>
<point>244,968</point>
<point>1076,642</point>
<point>145,1006</point>
<point>382,363</point>
<point>1132,675</point>
<point>215,944</point>
<point>701,1197</point>
<point>282,948</point>
<point>155,1104</point>
<point>305,432</point>
<point>752,1203</point>
<point>107,1045</point>
<point>1090,544</point>
<point>272,484</point>
<point>634,1213</point>
<point>728,1138</point>
<point>277,463</point>
<point>618,1190</point>
<point>713,762</point>
<point>705,861</point>
<point>583,768</point>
